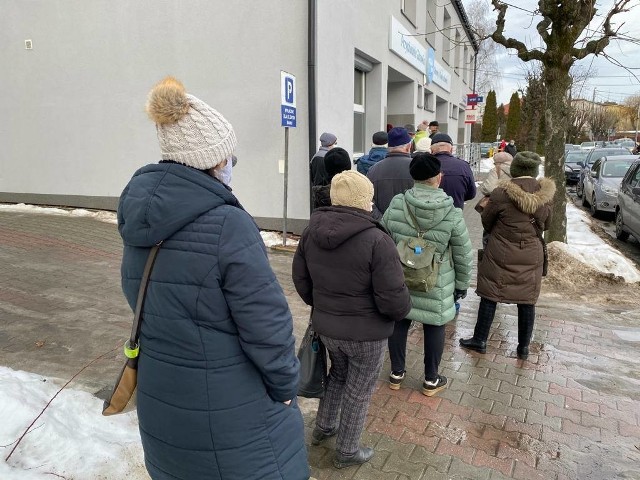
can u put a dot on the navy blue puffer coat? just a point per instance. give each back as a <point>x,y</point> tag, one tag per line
<point>217,354</point>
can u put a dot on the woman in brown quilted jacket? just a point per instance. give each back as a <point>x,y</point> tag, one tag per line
<point>511,268</point>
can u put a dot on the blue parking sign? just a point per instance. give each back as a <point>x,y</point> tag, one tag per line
<point>288,99</point>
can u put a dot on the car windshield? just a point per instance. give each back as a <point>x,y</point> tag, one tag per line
<point>575,156</point>
<point>606,152</point>
<point>616,168</point>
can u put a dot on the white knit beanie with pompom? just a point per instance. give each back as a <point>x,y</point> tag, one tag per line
<point>189,131</point>
<point>351,189</point>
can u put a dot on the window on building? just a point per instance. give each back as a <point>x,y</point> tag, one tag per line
<point>429,100</point>
<point>432,12</point>
<point>446,38</point>
<point>457,49</point>
<point>453,111</point>
<point>420,97</point>
<point>359,95</point>
<point>410,10</point>
<point>465,65</point>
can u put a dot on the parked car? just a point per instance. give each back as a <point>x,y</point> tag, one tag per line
<point>628,209</point>
<point>587,145</point>
<point>572,167</point>
<point>595,154</point>
<point>602,183</point>
<point>484,149</point>
<point>569,146</point>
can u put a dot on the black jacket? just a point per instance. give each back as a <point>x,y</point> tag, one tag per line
<point>390,177</point>
<point>347,267</point>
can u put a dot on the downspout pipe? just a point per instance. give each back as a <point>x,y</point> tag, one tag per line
<point>311,84</point>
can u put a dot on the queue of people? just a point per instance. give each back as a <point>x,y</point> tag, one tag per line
<point>217,326</point>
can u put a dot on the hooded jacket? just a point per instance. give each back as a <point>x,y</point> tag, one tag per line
<point>511,267</point>
<point>347,268</point>
<point>217,352</point>
<point>446,229</point>
<point>365,162</point>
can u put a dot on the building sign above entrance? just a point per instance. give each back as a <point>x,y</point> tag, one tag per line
<point>437,73</point>
<point>407,47</point>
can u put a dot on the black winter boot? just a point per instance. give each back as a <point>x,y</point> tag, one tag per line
<point>363,455</point>
<point>526,318</point>
<point>486,312</point>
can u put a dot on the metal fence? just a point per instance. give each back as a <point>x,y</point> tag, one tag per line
<point>469,152</point>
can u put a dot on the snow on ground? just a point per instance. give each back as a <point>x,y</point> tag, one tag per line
<point>486,164</point>
<point>102,215</point>
<point>589,248</point>
<point>270,238</point>
<point>71,439</point>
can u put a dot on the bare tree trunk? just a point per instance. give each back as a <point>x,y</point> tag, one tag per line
<point>558,82</point>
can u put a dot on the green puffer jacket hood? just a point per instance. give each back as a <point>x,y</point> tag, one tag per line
<point>445,228</point>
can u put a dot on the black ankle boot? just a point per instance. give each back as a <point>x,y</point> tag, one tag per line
<point>363,455</point>
<point>473,344</point>
<point>523,352</point>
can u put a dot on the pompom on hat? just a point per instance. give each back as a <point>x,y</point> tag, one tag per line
<point>525,164</point>
<point>189,131</point>
<point>351,189</point>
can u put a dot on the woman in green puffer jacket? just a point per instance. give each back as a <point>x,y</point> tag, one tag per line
<point>445,228</point>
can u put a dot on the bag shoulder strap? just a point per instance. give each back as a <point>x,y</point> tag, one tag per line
<point>415,225</point>
<point>537,228</point>
<point>144,283</point>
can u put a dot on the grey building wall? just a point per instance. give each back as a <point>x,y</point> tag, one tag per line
<point>72,122</point>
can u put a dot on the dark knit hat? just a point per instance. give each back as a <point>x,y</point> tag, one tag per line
<point>434,123</point>
<point>525,164</point>
<point>424,166</point>
<point>398,136</point>
<point>336,160</point>
<point>441,138</point>
<point>380,138</point>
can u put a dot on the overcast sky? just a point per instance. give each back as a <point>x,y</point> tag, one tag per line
<point>611,83</point>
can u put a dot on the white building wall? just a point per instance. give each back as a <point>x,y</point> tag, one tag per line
<point>72,121</point>
<point>72,118</point>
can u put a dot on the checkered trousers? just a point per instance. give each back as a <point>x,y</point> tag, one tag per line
<point>355,367</point>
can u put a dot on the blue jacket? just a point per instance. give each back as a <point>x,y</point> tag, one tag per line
<point>365,162</point>
<point>457,179</point>
<point>217,352</point>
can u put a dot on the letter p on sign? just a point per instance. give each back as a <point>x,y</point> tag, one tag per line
<point>288,94</point>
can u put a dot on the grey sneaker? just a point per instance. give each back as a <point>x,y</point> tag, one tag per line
<point>395,379</point>
<point>431,388</point>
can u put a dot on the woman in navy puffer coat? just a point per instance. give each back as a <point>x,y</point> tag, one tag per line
<point>218,374</point>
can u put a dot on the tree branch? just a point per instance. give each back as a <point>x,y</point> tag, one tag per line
<point>524,53</point>
<point>597,46</point>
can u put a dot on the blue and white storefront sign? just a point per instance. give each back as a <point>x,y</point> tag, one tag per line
<point>441,76</point>
<point>431,60</point>
<point>407,47</point>
<point>288,99</point>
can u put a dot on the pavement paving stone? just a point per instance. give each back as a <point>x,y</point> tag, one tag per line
<point>570,412</point>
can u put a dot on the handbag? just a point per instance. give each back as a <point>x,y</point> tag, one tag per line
<point>545,261</point>
<point>313,365</point>
<point>128,378</point>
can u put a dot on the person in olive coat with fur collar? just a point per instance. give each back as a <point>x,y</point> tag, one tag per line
<point>511,268</point>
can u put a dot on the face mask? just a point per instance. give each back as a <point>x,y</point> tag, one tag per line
<point>224,174</point>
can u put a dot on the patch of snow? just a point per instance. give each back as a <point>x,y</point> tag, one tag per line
<point>71,439</point>
<point>101,215</point>
<point>486,164</point>
<point>590,249</point>
<point>271,239</point>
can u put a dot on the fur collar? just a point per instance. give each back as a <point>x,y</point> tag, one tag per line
<point>529,202</point>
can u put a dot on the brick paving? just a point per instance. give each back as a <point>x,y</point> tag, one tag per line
<point>572,411</point>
